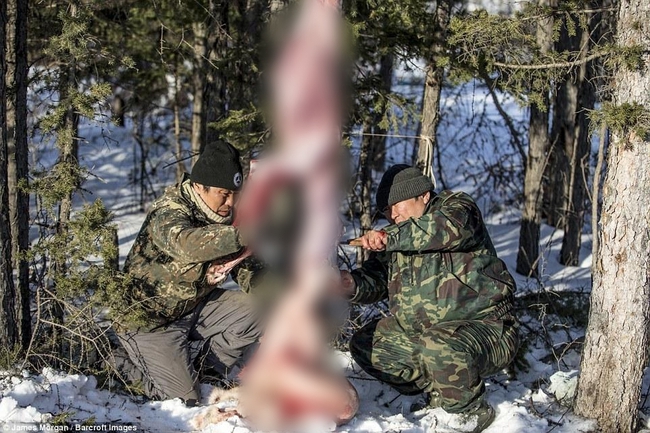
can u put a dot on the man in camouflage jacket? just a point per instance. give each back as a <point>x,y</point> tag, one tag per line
<point>451,298</point>
<point>175,267</point>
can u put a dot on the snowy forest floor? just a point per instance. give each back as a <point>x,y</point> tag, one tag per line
<point>553,312</point>
<point>534,398</point>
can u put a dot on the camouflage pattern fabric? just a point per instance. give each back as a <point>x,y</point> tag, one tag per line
<point>170,256</point>
<point>444,282</point>
<point>450,358</point>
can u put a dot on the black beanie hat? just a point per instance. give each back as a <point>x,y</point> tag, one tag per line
<point>401,182</point>
<point>218,165</point>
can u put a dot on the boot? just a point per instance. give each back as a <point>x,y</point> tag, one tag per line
<point>478,419</point>
<point>429,400</point>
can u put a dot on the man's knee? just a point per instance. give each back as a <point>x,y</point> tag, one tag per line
<point>231,312</point>
<point>160,362</point>
<point>361,345</point>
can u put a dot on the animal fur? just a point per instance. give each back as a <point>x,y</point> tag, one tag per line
<point>213,414</point>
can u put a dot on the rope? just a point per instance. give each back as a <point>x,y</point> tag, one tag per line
<point>427,168</point>
<point>425,140</point>
<point>373,134</point>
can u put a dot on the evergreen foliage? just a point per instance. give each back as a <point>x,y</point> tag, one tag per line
<point>505,48</point>
<point>630,121</point>
<point>87,52</point>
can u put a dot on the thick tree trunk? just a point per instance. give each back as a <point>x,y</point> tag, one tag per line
<point>538,138</point>
<point>16,48</point>
<point>8,331</point>
<point>615,351</point>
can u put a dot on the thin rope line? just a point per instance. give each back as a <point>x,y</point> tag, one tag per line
<point>428,142</point>
<point>427,137</point>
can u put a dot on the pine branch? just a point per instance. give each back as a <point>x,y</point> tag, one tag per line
<point>555,65</point>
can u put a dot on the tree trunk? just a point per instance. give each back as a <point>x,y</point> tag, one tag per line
<point>563,137</point>
<point>595,194</point>
<point>198,88</point>
<point>615,351</point>
<point>558,167</point>
<point>68,145</point>
<point>214,96</point>
<point>373,150</point>
<point>178,148</point>
<point>528,253</point>
<point>430,114</point>
<point>378,139</point>
<point>365,180</point>
<point>67,140</point>
<point>433,87</point>
<point>114,261</point>
<point>574,204</point>
<point>18,169</point>
<point>603,31</point>
<point>8,331</point>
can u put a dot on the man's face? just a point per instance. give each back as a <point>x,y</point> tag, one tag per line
<point>411,208</point>
<point>220,200</point>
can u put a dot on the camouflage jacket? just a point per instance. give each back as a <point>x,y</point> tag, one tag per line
<point>172,252</point>
<point>439,267</point>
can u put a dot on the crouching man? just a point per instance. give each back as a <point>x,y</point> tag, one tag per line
<point>176,265</point>
<point>450,296</point>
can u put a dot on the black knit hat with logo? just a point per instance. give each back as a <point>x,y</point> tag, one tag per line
<point>401,182</point>
<point>218,165</point>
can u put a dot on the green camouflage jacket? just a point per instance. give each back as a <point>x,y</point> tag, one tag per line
<point>439,267</point>
<point>172,252</point>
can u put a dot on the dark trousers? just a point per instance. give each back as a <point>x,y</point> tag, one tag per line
<point>221,331</point>
<point>450,358</point>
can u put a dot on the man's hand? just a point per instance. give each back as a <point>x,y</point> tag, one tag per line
<point>218,270</point>
<point>348,286</point>
<point>374,240</point>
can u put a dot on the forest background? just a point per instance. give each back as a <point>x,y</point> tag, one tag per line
<point>176,75</point>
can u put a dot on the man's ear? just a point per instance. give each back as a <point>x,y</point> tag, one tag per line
<point>426,197</point>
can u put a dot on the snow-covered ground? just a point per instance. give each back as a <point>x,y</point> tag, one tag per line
<point>530,400</point>
<point>522,404</point>
<point>526,403</point>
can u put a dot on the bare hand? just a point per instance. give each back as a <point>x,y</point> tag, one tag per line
<point>374,240</point>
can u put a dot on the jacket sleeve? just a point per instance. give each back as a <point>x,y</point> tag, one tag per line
<point>173,232</point>
<point>249,274</point>
<point>371,279</point>
<point>453,225</point>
